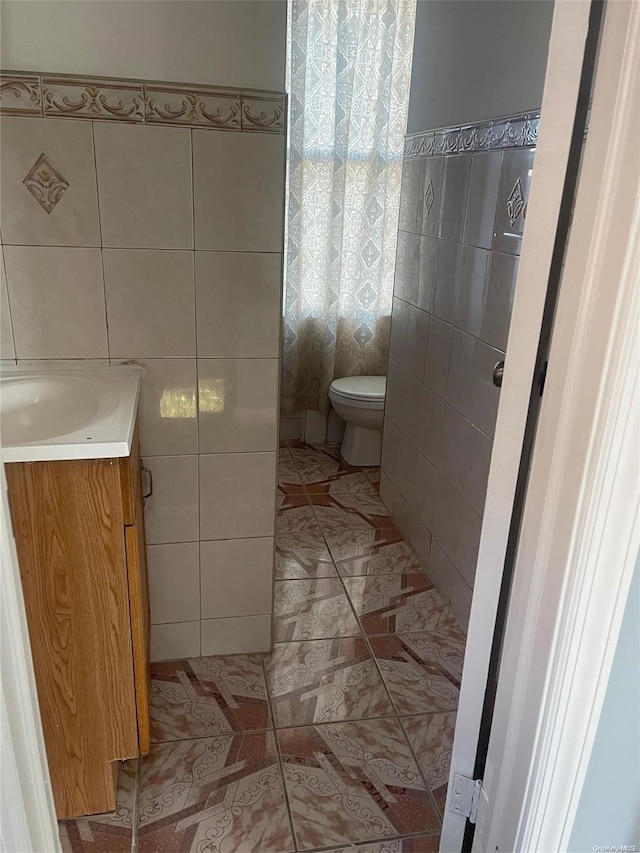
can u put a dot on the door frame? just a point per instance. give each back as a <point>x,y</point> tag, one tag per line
<point>560,96</point>
<point>580,533</point>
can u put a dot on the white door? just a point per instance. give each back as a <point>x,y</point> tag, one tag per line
<point>560,98</point>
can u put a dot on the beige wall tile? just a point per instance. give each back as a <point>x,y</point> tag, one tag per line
<point>245,212</point>
<point>238,404</point>
<point>461,595</point>
<point>238,298</point>
<point>57,302</point>
<point>167,412</point>
<point>171,513</point>
<point>177,640</point>
<point>174,582</point>
<point>240,635</point>
<point>7,349</point>
<point>237,495</point>
<point>68,147</point>
<point>150,303</point>
<point>144,186</point>
<point>236,577</point>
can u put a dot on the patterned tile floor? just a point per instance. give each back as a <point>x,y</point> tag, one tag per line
<point>338,740</point>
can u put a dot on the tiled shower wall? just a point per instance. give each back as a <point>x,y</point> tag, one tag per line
<point>460,228</point>
<point>152,231</point>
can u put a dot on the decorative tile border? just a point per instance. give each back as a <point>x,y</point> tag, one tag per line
<point>141,102</point>
<point>517,131</point>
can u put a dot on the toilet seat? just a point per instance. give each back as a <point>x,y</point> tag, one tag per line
<point>366,392</point>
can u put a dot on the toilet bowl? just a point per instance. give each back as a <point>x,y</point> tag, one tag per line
<point>359,401</point>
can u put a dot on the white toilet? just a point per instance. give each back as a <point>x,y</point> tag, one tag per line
<point>359,401</point>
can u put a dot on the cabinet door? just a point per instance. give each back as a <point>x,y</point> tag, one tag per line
<point>139,609</point>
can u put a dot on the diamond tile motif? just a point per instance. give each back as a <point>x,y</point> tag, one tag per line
<point>312,610</point>
<point>45,183</point>
<point>429,196</point>
<point>515,202</point>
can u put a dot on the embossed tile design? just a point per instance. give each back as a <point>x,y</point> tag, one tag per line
<point>20,95</point>
<point>192,106</point>
<point>262,113</point>
<point>318,468</point>
<point>311,610</point>
<point>93,99</point>
<point>431,738</point>
<point>45,183</point>
<point>104,833</point>
<point>387,604</point>
<point>345,545</point>
<point>303,555</point>
<point>222,794</point>
<point>397,558</point>
<point>350,782</point>
<point>422,671</point>
<point>324,680</point>
<point>207,696</point>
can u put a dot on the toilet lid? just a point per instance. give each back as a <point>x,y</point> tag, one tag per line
<point>361,387</point>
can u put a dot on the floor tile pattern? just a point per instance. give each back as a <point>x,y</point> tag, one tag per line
<point>342,735</point>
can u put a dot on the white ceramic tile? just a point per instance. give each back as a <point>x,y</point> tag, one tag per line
<point>420,541</point>
<point>455,186</point>
<point>387,491</point>
<point>174,641</point>
<point>238,298</point>
<point>399,459</point>
<point>238,404</point>
<point>68,147</point>
<point>405,287</point>
<point>237,495</point>
<point>447,513</point>
<point>167,412</point>
<point>171,513</point>
<point>7,348</point>
<point>460,386</point>
<point>483,196</point>
<point>443,301</point>
<point>144,186</point>
<point>517,166</point>
<point>470,295</point>
<point>441,570</point>
<point>233,636</point>
<point>501,286</point>
<point>397,399</point>
<point>450,443</point>
<point>486,395</point>
<point>425,484</point>
<point>57,302</point>
<point>415,411</point>
<point>424,262</point>
<point>150,303</point>
<point>236,577</point>
<point>315,427</point>
<point>398,333</point>
<point>430,201</point>
<point>469,528</point>
<point>436,370</point>
<point>476,472</point>
<point>426,408</point>
<point>461,597</point>
<point>239,191</point>
<point>409,195</point>
<point>174,582</point>
<point>417,337</point>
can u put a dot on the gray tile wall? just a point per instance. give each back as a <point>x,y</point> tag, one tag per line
<point>165,247</point>
<point>460,229</point>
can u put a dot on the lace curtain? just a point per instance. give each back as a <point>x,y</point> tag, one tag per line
<point>348,74</point>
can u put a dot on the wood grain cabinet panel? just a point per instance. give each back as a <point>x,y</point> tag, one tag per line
<point>85,589</point>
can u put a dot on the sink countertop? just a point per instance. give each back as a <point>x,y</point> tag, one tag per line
<point>52,412</point>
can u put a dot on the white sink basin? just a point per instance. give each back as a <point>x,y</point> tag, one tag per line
<point>67,413</point>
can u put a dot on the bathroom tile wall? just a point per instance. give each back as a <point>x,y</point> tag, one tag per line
<point>144,223</point>
<point>460,228</point>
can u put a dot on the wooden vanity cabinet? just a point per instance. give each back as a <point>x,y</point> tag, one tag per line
<point>79,531</point>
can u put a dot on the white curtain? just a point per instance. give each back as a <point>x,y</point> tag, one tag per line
<point>348,74</point>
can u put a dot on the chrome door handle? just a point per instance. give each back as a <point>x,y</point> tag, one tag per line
<point>147,471</point>
<point>498,371</point>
